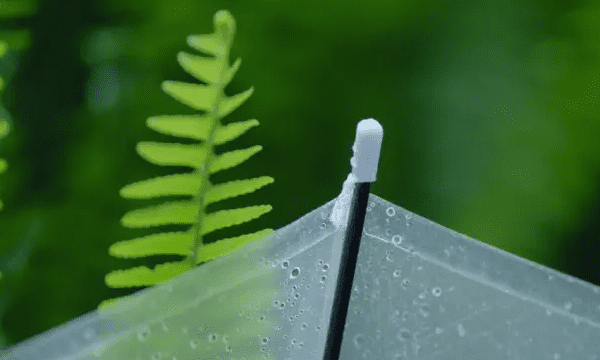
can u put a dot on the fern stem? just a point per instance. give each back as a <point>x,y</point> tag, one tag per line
<point>200,197</point>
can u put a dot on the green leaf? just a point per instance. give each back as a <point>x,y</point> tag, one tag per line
<point>177,184</point>
<point>226,218</point>
<point>232,131</point>
<point>209,44</point>
<point>3,48</point>
<point>235,188</point>
<point>233,102</point>
<point>222,247</point>
<point>175,243</point>
<point>176,212</point>
<point>4,128</point>
<point>189,126</point>
<point>226,79</point>
<point>232,158</point>
<point>197,96</point>
<point>202,68</point>
<point>143,276</point>
<point>172,154</point>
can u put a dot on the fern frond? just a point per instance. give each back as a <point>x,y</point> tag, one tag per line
<point>205,127</point>
<point>4,126</point>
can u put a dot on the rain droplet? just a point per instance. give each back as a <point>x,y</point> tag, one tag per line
<point>397,272</point>
<point>295,273</point>
<point>323,278</point>
<point>297,295</point>
<point>405,315</point>
<point>304,325</point>
<point>143,333</point>
<point>390,211</point>
<point>285,264</point>
<point>397,240</point>
<point>404,335</point>
<point>265,340</point>
<point>323,225</point>
<point>436,291</point>
<point>213,337</point>
<point>461,330</point>
<point>325,267</point>
<point>88,333</point>
<point>359,340</point>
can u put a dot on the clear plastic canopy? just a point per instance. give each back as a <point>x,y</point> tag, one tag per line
<point>420,291</point>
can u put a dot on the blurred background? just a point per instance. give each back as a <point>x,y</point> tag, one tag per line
<point>490,113</point>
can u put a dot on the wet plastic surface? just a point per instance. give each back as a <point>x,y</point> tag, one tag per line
<point>421,291</point>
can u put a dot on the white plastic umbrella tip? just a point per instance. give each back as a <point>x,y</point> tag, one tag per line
<point>367,146</point>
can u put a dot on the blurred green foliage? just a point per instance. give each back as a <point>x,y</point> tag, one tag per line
<point>490,111</point>
<point>13,40</point>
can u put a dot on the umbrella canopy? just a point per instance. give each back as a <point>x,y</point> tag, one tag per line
<point>419,291</point>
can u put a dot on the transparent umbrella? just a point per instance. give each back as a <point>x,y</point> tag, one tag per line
<point>356,278</point>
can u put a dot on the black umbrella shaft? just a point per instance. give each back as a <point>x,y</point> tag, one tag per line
<point>343,288</point>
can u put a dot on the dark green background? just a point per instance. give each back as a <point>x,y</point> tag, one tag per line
<point>489,108</point>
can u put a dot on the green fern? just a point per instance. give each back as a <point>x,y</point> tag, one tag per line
<point>4,127</point>
<point>209,98</point>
